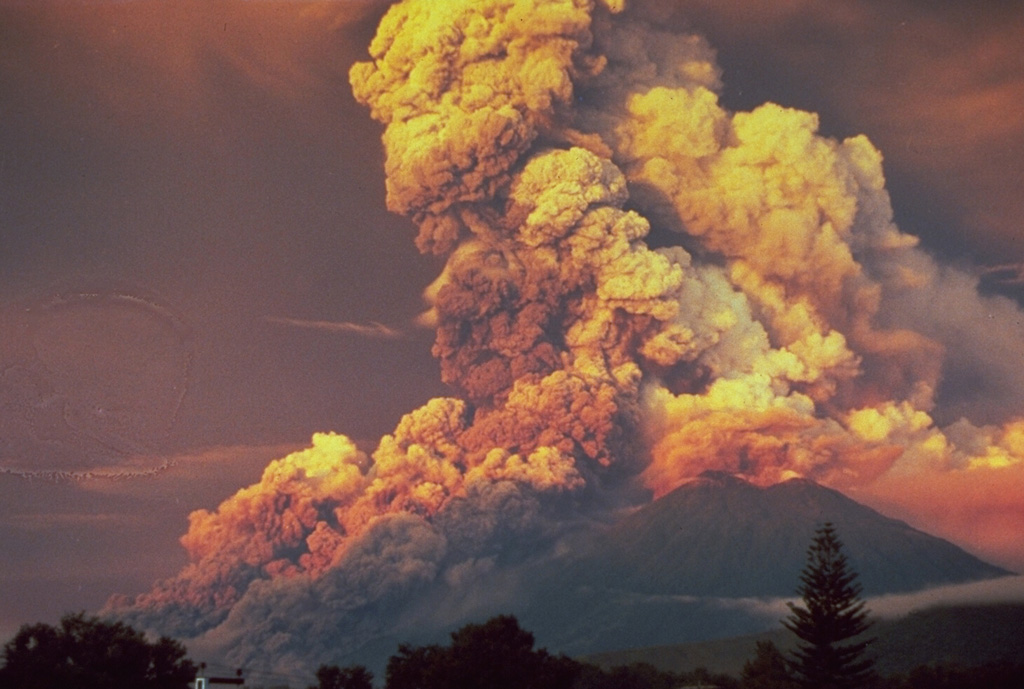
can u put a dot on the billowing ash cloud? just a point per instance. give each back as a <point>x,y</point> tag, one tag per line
<point>782,327</point>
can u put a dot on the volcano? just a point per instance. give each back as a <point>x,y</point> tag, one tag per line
<point>722,536</point>
<point>706,561</point>
<point>712,559</point>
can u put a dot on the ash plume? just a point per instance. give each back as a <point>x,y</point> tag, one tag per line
<point>535,145</point>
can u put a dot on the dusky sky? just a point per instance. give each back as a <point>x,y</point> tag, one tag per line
<point>198,271</point>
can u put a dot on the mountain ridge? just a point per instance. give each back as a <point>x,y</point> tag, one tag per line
<point>720,535</point>
<point>708,559</point>
<point>711,560</point>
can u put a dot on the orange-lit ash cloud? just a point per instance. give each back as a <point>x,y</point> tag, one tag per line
<point>537,146</point>
<point>940,88</point>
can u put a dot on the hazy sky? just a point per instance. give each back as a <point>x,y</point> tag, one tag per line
<point>197,269</point>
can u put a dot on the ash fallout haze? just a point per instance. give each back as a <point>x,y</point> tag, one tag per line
<point>313,312</point>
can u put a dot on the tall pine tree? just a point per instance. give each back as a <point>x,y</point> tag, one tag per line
<point>832,620</point>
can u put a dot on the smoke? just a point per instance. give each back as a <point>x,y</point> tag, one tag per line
<point>639,286</point>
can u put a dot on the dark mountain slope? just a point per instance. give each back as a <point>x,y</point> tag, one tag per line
<point>700,563</point>
<point>722,536</point>
<point>697,564</point>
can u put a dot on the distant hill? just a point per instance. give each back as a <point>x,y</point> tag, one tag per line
<point>696,564</point>
<point>722,536</point>
<point>711,560</point>
<point>967,636</point>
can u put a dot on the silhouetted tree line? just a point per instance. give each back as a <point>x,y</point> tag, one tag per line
<point>499,654</point>
<point>89,653</point>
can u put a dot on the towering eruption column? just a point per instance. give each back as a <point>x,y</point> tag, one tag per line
<point>759,349</point>
<point>549,293</point>
<point>507,135</point>
<point>533,144</point>
<point>547,299</point>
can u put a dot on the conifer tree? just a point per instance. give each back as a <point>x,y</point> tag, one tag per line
<point>830,624</point>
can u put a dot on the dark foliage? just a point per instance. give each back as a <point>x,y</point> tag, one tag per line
<point>768,669</point>
<point>830,654</point>
<point>646,676</point>
<point>495,655</point>
<point>351,677</point>
<point>500,655</point>
<point>90,653</point>
<point>1004,675</point>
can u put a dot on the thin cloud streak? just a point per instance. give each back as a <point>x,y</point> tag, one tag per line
<point>1004,274</point>
<point>1004,590</point>
<point>67,475</point>
<point>371,329</point>
<point>989,592</point>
